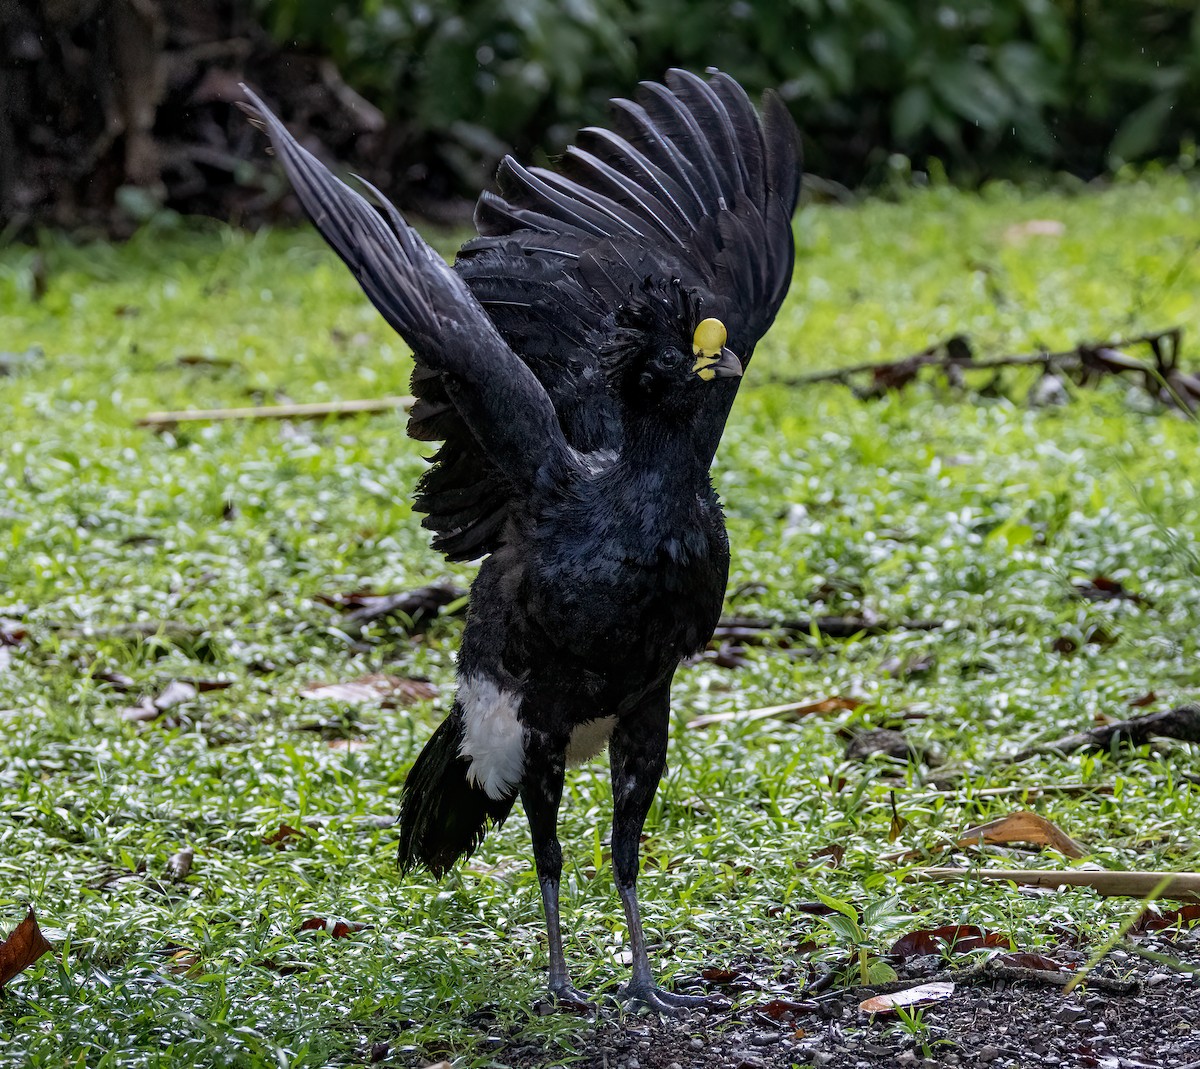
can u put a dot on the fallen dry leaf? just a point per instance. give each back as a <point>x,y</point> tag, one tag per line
<point>280,839</point>
<point>1034,228</point>
<point>779,1008</point>
<point>913,996</point>
<point>337,929</point>
<point>1023,826</point>
<point>1152,921</point>
<point>24,945</point>
<point>955,938</point>
<point>384,689</point>
<point>720,976</point>
<point>790,711</point>
<point>177,692</point>
<point>180,864</point>
<point>1036,962</point>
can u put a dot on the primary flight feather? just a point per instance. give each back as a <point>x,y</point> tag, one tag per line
<point>578,364</point>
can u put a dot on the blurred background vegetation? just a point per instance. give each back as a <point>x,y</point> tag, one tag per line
<point>114,109</point>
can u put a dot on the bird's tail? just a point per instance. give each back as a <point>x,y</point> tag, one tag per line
<point>443,816</point>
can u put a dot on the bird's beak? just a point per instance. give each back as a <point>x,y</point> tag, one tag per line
<point>723,366</point>
<point>728,367</point>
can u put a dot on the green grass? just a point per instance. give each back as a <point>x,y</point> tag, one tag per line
<point>926,504</point>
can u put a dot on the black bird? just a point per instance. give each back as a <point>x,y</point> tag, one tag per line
<point>578,363</point>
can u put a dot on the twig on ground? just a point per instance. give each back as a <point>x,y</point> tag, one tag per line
<point>996,968</point>
<point>1182,722</point>
<point>732,627</point>
<point>1184,886</point>
<point>1087,361</point>
<point>318,410</point>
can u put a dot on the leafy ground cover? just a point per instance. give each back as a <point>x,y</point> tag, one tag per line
<point>214,868</point>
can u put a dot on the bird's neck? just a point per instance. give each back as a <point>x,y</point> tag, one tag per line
<point>680,449</point>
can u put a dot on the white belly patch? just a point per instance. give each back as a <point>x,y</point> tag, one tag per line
<point>493,738</point>
<point>589,739</point>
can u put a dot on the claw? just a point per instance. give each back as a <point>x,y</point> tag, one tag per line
<point>567,998</point>
<point>656,1000</point>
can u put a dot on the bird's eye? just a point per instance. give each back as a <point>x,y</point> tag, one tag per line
<point>710,338</point>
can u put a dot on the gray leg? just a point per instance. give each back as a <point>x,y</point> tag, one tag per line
<point>638,754</point>
<point>541,794</point>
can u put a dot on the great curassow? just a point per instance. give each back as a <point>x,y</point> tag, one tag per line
<point>578,362</point>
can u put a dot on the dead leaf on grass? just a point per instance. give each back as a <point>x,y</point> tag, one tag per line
<point>791,711</point>
<point>720,976</point>
<point>336,929</point>
<point>1018,233</point>
<point>923,995</point>
<point>282,838</point>
<point>386,690</point>
<point>1153,921</point>
<point>177,692</point>
<point>1032,961</point>
<point>24,945</point>
<point>955,938</point>
<point>779,1008</point>
<point>1023,826</point>
<point>180,864</point>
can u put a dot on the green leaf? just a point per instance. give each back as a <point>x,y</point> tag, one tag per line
<point>911,113</point>
<point>1142,130</point>
<point>844,908</point>
<point>973,92</point>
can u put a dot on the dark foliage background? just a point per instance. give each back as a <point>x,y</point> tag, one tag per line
<point>110,109</point>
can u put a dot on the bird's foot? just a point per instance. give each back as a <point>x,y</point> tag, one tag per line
<point>567,998</point>
<point>639,997</point>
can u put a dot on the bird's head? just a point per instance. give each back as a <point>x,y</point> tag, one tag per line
<point>663,351</point>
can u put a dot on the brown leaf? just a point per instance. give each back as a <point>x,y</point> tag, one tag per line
<point>1151,921</point>
<point>386,690</point>
<point>720,976</point>
<point>913,996</point>
<point>1023,826</point>
<point>1149,698</point>
<point>1029,960</point>
<point>337,929</point>
<point>12,633</point>
<point>955,938</point>
<point>834,851</point>
<point>184,960</point>
<point>280,839</point>
<point>180,864</point>
<point>24,945</point>
<point>117,680</point>
<point>1102,588</point>
<point>790,711</point>
<point>779,1008</point>
<point>175,693</point>
<point>348,744</point>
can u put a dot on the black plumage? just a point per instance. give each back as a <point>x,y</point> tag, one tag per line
<point>578,364</point>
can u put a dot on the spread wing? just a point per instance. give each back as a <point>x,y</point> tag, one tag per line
<point>498,401</point>
<point>690,184</point>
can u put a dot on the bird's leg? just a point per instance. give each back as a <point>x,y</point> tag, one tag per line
<point>638,753</point>
<point>541,793</point>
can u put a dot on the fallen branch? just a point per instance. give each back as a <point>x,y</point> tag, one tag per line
<point>1088,361</point>
<point>318,410</point>
<point>1182,722</point>
<point>996,968</point>
<point>790,711</point>
<point>743,627</point>
<point>1184,886</point>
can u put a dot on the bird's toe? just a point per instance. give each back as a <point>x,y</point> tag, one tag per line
<point>567,998</point>
<point>647,997</point>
